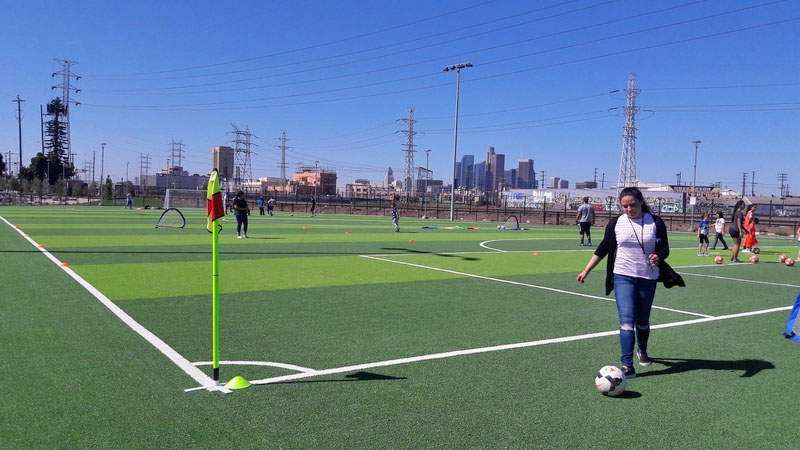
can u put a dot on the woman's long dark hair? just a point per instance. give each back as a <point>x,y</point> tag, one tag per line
<point>637,194</point>
<point>736,207</point>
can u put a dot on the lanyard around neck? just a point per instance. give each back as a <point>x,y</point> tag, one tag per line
<point>641,243</point>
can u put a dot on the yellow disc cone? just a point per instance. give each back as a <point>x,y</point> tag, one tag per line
<point>237,382</point>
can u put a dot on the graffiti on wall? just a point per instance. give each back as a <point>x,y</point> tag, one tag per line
<point>600,199</point>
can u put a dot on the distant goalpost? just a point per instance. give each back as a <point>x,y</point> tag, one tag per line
<point>185,198</point>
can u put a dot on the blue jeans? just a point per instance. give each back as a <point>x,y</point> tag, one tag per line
<point>241,218</point>
<point>634,301</point>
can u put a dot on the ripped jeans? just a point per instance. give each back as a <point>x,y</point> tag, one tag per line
<point>634,301</point>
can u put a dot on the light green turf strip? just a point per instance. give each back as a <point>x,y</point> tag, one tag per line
<point>132,281</point>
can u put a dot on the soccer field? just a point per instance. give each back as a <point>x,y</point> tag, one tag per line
<point>354,335</point>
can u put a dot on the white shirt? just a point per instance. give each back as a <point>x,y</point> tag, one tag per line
<point>719,225</point>
<point>636,241</point>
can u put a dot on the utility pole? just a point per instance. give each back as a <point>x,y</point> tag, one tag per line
<point>41,125</point>
<point>94,158</point>
<point>457,68</point>
<point>679,178</point>
<point>753,184</point>
<point>744,184</point>
<point>318,179</point>
<point>603,182</point>
<point>694,175</point>
<point>543,172</point>
<point>595,177</point>
<point>102,159</point>
<point>19,102</point>
<point>126,172</point>
<point>425,189</point>
<point>176,148</point>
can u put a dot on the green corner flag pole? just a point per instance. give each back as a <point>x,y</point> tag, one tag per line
<point>215,296</point>
<point>215,210</point>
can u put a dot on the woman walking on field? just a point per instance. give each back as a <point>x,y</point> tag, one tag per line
<point>735,230</point>
<point>636,245</point>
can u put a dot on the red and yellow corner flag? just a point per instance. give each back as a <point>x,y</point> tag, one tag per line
<point>214,207</point>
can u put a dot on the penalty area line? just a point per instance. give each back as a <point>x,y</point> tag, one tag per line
<point>196,374</point>
<point>518,283</point>
<point>434,356</point>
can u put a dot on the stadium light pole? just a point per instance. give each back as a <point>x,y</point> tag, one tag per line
<point>457,68</point>
<point>694,175</point>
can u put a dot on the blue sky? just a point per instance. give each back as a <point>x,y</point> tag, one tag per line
<point>337,76</point>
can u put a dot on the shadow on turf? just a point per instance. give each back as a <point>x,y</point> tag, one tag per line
<point>444,255</point>
<point>358,376</point>
<point>679,365</point>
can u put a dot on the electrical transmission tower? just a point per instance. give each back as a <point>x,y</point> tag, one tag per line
<point>627,163</point>
<point>782,178</point>
<point>66,89</point>
<point>408,171</point>
<point>282,164</point>
<point>176,149</point>
<point>144,171</point>
<point>242,143</point>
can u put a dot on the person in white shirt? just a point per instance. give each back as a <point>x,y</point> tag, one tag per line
<point>719,232</point>
<point>636,245</point>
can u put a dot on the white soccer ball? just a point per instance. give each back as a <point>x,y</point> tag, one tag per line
<point>610,381</point>
<point>501,227</point>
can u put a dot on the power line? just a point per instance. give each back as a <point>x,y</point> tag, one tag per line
<point>193,107</point>
<point>317,45</point>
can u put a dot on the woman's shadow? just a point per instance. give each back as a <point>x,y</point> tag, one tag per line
<point>750,367</point>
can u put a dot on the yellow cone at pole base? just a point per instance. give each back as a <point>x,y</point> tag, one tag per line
<point>237,382</point>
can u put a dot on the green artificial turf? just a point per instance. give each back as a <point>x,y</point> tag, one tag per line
<point>78,377</point>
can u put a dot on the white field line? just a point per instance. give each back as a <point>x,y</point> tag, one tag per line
<point>493,251</point>
<point>740,280</point>
<point>500,280</point>
<point>257,363</point>
<point>204,380</point>
<point>395,362</point>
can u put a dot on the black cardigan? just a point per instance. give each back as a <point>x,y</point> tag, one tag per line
<point>609,247</point>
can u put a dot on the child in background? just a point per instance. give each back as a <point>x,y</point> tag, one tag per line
<point>702,234</point>
<point>719,228</point>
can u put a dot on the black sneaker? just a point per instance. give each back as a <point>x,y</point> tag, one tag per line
<point>628,372</point>
<point>644,360</point>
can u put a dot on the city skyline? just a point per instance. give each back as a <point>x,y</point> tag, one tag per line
<point>546,84</point>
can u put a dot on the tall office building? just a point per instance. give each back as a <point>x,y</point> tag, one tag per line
<point>526,175</point>
<point>389,177</point>
<point>512,180</point>
<point>496,171</point>
<point>480,176</point>
<point>458,175</point>
<point>466,174</point>
<point>222,160</point>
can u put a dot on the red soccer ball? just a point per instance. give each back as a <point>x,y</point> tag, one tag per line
<point>756,250</point>
<point>754,259</point>
<point>789,262</point>
<point>718,260</point>
<point>782,258</point>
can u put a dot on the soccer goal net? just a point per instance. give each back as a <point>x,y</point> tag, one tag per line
<point>171,218</point>
<point>185,198</point>
<point>512,223</point>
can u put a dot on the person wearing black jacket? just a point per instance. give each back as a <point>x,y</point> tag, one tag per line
<point>636,245</point>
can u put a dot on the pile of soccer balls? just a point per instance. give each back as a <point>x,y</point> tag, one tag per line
<point>754,258</point>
